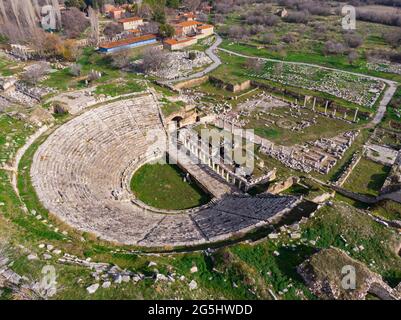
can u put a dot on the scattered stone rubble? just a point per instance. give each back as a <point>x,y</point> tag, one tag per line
<point>323,275</point>
<point>384,66</point>
<point>353,88</point>
<point>320,155</point>
<point>178,64</point>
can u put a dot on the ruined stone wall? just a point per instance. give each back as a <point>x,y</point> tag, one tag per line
<point>282,185</point>
<point>229,86</point>
<point>191,83</point>
<point>346,173</point>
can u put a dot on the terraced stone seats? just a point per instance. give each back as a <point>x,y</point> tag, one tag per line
<point>81,173</point>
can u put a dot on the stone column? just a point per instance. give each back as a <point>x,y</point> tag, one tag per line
<point>305,102</point>
<point>314,104</point>
<point>325,107</point>
<point>356,114</point>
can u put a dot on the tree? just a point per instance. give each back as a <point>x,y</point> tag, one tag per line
<point>151,27</point>
<point>75,70</point>
<point>35,73</point>
<point>74,22</point>
<point>80,4</point>
<point>255,65</point>
<point>353,40</point>
<point>121,59</point>
<point>331,47</point>
<point>191,5</point>
<point>352,57</point>
<point>393,38</point>
<point>289,38</point>
<point>154,59</point>
<point>173,4</point>
<point>159,15</point>
<point>112,29</point>
<point>144,11</point>
<point>166,31</point>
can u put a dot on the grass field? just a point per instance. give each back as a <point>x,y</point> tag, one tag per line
<point>233,70</point>
<point>117,89</point>
<point>242,271</point>
<point>367,177</point>
<point>388,209</point>
<point>89,60</point>
<point>323,128</point>
<point>168,107</point>
<point>162,186</point>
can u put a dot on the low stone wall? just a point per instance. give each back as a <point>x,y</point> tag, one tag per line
<point>347,172</point>
<point>355,196</point>
<point>191,83</point>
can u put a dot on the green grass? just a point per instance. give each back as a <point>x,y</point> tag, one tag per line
<point>13,135</point>
<point>162,186</point>
<point>233,71</point>
<point>323,128</point>
<point>367,177</point>
<point>391,119</point>
<point>90,60</point>
<point>8,67</point>
<point>388,209</point>
<point>169,107</point>
<point>117,89</point>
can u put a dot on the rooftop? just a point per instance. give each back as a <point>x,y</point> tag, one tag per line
<point>124,42</point>
<point>188,23</point>
<point>177,41</point>
<point>131,19</point>
<point>206,26</point>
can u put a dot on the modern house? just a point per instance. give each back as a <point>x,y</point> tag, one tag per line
<point>128,43</point>
<point>204,31</point>
<point>187,33</point>
<point>188,28</point>
<point>116,13</point>
<point>131,23</point>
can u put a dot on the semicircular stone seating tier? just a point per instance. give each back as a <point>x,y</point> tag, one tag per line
<point>81,166</point>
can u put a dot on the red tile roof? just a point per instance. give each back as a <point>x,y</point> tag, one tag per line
<point>128,41</point>
<point>206,26</point>
<point>130,19</point>
<point>175,41</point>
<point>188,24</point>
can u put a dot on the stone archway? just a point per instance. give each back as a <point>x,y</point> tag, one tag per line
<point>178,121</point>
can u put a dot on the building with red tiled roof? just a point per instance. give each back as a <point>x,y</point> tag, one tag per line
<point>115,13</point>
<point>188,27</point>
<point>187,16</point>
<point>131,23</point>
<point>178,44</point>
<point>128,43</point>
